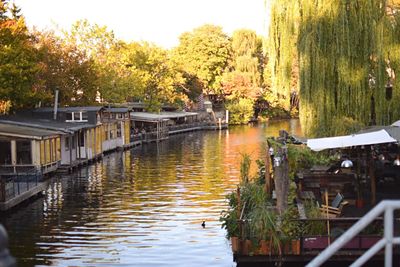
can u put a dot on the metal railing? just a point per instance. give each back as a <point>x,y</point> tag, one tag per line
<point>387,207</point>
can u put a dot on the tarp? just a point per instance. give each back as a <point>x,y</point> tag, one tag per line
<point>393,131</point>
<point>397,123</point>
<point>372,138</point>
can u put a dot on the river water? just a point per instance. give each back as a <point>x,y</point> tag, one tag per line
<point>142,207</point>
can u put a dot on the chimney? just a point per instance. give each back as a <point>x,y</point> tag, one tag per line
<point>55,104</point>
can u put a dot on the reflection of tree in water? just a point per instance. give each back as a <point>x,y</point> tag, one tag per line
<point>134,199</point>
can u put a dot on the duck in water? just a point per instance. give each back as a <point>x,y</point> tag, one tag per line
<point>204,224</point>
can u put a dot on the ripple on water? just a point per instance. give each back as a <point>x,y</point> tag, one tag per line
<point>143,207</point>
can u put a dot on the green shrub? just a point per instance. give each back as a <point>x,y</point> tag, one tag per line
<point>240,111</point>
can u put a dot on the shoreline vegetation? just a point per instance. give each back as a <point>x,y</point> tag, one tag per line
<point>253,221</point>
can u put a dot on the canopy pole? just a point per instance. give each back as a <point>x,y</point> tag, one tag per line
<point>372,177</point>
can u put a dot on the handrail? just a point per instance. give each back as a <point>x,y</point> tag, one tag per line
<point>386,206</point>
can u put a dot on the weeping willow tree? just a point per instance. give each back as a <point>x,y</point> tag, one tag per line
<point>281,73</point>
<point>348,51</point>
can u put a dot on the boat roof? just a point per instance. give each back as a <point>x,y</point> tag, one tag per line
<point>166,115</point>
<point>150,117</point>
<point>11,130</point>
<point>178,114</point>
<point>118,109</point>
<point>69,109</point>
<point>46,124</point>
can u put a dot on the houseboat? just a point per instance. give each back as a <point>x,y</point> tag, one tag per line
<point>151,127</point>
<point>116,125</point>
<point>26,154</point>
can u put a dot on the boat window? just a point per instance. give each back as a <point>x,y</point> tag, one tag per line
<point>24,154</point>
<point>82,138</point>
<point>5,152</point>
<point>66,143</point>
<point>119,129</point>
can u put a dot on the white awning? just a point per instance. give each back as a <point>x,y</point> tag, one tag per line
<point>372,138</point>
<point>397,123</point>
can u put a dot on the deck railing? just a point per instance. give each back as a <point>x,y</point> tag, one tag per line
<point>387,207</point>
<point>16,184</point>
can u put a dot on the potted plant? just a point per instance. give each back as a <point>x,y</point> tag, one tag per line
<point>316,230</point>
<point>291,230</point>
<point>263,225</point>
<point>230,221</point>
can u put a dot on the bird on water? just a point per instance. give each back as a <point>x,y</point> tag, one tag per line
<point>203,224</point>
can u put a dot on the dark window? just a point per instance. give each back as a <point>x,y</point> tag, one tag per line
<point>24,154</point>
<point>82,138</point>
<point>84,116</point>
<point>67,143</point>
<point>106,132</point>
<point>73,142</point>
<point>5,152</point>
<point>77,116</point>
<point>119,129</point>
<point>69,116</point>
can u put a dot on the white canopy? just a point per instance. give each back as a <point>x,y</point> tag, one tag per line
<point>372,138</point>
<point>397,123</point>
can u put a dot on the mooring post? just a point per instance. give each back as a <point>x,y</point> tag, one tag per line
<point>6,260</point>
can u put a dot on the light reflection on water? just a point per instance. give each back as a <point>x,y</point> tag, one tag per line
<point>142,207</point>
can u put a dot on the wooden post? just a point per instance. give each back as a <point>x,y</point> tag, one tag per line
<point>327,218</point>
<point>241,228</point>
<point>267,171</point>
<point>281,178</point>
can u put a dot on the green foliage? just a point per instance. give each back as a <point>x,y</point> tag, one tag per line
<point>158,76</point>
<point>245,168</point>
<point>240,111</point>
<point>63,67</point>
<point>301,157</point>
<point>345,51</point>
<point>314,227</point>
<point>18,62</point>
<point>291,228</point>
<point>229,218</point>
<point>205,53</point>
<point>282,71</point>
<point>275,113</point>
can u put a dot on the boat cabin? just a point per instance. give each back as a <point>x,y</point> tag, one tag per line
<point>25,149</point>
<point>151,127</point>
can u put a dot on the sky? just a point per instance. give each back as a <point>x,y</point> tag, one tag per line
<point>157,21</point>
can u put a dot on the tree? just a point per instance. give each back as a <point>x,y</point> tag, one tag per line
<point>64,67</point>
<point>204,53</point>
<point>158,78</point>
<point>243,82</point>
<point>345,51</point>
<point>17,59</point>
<point>281,73</point>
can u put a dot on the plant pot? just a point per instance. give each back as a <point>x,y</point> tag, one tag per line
<point>265,247</point>
<point>360,203</point>
<point>246,247</point>
<point>286,248</point>
<point>235,244</point>
<point>295,247</point>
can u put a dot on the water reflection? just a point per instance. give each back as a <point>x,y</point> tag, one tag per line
<point>142,207</point>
